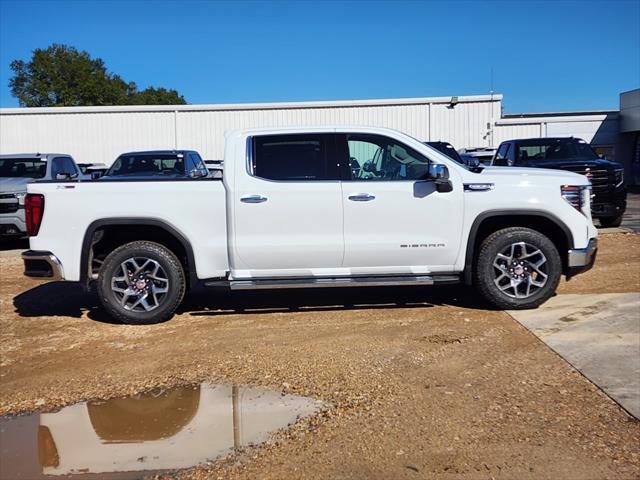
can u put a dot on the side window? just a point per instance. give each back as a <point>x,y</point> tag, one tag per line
<point>502,155</point>
<point>70,167</point>
<point>293,158</point>
<point>57,166</point>
<point>191,163</point>
<point>195,162</point>
<point>378,158</point>
<point>62,165</point>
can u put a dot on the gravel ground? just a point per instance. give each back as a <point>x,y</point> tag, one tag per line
<point>424,382</point>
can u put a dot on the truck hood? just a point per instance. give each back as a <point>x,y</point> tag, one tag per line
<point>561,176</point>
<point>12,184</point>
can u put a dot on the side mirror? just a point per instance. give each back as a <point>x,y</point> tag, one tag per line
<point>440,175</point>
<point>197,173</point>
<point>95,175</point>
<point>438,171</point>
<point>474,162</point>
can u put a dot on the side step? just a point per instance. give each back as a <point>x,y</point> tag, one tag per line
<point>333,282</point>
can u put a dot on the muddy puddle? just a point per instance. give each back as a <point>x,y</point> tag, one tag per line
<point>129,438</point>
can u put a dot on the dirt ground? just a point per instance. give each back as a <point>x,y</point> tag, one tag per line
<point>424,382</point>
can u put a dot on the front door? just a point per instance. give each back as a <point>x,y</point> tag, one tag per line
<point>288,210</point>
<point>395,221</point>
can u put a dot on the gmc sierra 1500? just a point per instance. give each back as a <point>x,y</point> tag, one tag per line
<point>314,207</point>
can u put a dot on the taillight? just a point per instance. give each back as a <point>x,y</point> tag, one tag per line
<point>33,210</point>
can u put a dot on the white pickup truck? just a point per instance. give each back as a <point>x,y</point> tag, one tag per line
<point>314,207</point>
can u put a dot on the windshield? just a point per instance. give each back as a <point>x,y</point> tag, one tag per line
<point>447,149</point>
<point>22,168</point>
<point>555,149</point>
<point>147,164</point>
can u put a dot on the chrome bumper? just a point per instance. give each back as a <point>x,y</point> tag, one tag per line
<point>582,257</point>
<point>579,260</point>
<point>39,264</point>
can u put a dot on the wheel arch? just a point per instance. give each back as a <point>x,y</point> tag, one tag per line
<point>128,229</point>
<point>544,222</point>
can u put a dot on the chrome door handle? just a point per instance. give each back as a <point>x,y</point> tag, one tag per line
<point>361,197</point>
<point>253,199</point>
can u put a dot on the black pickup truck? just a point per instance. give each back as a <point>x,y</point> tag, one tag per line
<point>609,194</point>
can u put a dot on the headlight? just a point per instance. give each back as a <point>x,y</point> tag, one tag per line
<point>578,196</point>
<point>619,174</point>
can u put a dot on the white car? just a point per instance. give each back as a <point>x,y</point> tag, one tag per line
<point>314,207</point>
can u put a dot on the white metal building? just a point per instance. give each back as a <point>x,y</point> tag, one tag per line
<point>100,134</point>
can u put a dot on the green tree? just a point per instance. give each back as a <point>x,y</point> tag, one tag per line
<point>60,75</point>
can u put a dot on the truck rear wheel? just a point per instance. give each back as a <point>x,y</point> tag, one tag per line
<point>141,283</point>
<point>517,268</point>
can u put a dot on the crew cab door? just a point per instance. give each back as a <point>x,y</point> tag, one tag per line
<point>288,207</point>
<point>395,221</point>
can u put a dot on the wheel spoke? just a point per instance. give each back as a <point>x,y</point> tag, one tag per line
<point>140,284</point>
<point>520,270</point>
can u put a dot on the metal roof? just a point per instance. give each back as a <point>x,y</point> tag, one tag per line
<point>253,106</point>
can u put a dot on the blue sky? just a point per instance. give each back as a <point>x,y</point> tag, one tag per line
<point>546,56</point>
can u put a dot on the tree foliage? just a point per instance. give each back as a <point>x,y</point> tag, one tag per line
<point>60,75</point>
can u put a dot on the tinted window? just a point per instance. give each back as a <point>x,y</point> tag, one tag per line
<point>69,166</point>
<point>22,168</point>
<point>195,162</point>
<point>554,149</point>
<point>447,149</point>
<point>502,154</point>
<point>57,166</point>
<point>378,158</point>
<point>293,157</point>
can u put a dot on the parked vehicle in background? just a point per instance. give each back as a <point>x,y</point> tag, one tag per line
<point>293,211</point>
<point>158,164</point>
<point>609,193</point>
<point>92,169</point>
<point>215,167</point>
<point>483,154</point>
<point>449,151</point>
<point>16,171</point>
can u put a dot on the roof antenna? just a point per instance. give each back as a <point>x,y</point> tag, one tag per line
<point>491,83</point>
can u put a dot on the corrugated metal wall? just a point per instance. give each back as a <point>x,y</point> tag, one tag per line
<point>509,132</point>
<point>89,137</point>
<point>99,135</point>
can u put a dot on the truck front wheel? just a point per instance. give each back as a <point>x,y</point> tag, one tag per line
<point>610,222</point>
<point>141,283</point>
<point>517,268</point>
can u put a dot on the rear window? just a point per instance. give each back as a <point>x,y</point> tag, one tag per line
<point>157,164</point>
<point>23,168</point>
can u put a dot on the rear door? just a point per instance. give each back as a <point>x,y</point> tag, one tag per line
<point>288,207</point>
<point>395,221</point>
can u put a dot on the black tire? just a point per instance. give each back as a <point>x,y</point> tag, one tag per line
<point>611,222</point>
<point>163,304</point>
<point>486,274</point>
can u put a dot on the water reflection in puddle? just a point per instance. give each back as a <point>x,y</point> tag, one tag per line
<point>126,438</point>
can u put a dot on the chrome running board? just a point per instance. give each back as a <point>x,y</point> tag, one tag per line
<point>332,282</point>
